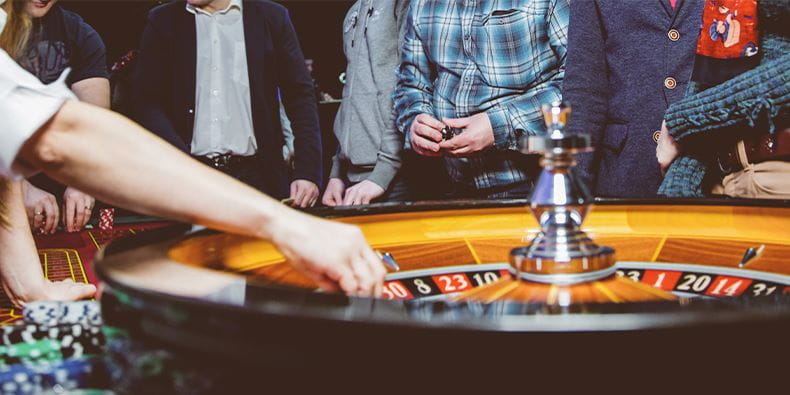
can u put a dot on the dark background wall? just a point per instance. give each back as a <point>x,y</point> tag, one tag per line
<point>318,24</point>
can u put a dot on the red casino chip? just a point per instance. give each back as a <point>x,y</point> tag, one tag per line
<point>106,218</point>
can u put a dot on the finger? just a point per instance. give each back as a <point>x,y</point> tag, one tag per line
<point>430,121</point>
<point>459,141</point>
<point>365,199</point>
<point>69,213</point>
<point>428,132</point>
<point>51,216</point>
<point>458,123</point>
<point>300,199</point>
<point>294,190</point>
<point>307,196</point>
<point>38,216</point>
<point>347,281</point>
<point>423,152</point>
<point>427,145</point>
<point>79,216</point>
<point>351,194</point>
<point>57,214</point>
<point>335,197</point>
<point>89,202</point>
<point>313,196</point>
<point>328,199</point>
<point>378,269</point>
<point>366,283</point>
<point>87,216</point>
<point>463,151</point>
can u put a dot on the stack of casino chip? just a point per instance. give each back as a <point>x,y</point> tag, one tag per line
<point>106,218</point>
<point>57,347</point>
<point>62,313</point>
<point>50,377</point>
<point>74,341</point>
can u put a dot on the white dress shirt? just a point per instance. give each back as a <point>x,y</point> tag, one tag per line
<point>25,106</point>
<point>223,110</point>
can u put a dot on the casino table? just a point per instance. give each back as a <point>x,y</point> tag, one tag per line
<point>70,255</point>
<point>697,283</point>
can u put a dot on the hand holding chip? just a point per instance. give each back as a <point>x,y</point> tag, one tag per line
<point>425,135</point>
<point>477,136</point>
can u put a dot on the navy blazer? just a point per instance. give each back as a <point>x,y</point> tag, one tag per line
<point>164,99</point>
<point>627,62</point>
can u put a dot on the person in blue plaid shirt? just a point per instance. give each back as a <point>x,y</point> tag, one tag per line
<point>484,68</point>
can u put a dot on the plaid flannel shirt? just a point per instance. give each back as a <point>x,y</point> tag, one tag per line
<point>502,57</point>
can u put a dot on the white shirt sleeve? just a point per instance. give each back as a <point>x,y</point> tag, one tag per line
<point>25,106</point>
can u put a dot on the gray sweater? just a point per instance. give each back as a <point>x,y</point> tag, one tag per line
<point>369,142</point>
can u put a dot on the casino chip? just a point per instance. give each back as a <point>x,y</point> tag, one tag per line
<point>106,218</point>
<point>60,313</point>
<point>57,377</point>
<point>73,341</point>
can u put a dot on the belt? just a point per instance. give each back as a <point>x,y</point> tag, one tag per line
<point>760,148</point>
<point>226,163</point>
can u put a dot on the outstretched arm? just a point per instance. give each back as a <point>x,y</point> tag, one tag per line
<point>136,170</point>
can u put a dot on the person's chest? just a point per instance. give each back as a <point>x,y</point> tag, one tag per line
<point>467,29</point>
<point>49,53</point>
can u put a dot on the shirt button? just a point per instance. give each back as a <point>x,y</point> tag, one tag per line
<point>466,79</point>
<point>670,83</point>
<point>191,111</point>
<point>467,37</point>
<point>673,34</point>
<point>215,120</point>
<point>215,92</point>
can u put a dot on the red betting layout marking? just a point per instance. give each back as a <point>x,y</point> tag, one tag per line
<point>450,283</point>
<point>661,279</point>
<point>728,286</point>
<point>395,290</point>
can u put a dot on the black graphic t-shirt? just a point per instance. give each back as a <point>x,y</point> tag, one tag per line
<point>61,40</point>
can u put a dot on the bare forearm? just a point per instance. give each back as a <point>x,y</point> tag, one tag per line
<point>94,91</point>
<point>16,235</point>
<point>92,149</point>
<point>18,258</point>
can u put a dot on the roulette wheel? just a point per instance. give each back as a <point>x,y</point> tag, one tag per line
<point>555,285</point>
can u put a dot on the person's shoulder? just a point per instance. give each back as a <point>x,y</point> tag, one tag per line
<point>71,18</point>
<point>270,8</point>
<point>273,13</point>
<point>78,31</point>
<point>68,16</point>
<point>167,10</point>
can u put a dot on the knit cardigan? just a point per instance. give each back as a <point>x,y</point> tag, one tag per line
<point>750,103</point>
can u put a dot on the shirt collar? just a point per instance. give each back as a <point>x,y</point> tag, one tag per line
<point>233,4</point>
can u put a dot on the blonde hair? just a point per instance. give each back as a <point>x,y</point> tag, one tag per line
<point>16,35</point>
<point>14,40</point>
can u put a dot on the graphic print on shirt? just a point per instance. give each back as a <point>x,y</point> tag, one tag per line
<point>729,29</point>
<point>48,59</point>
